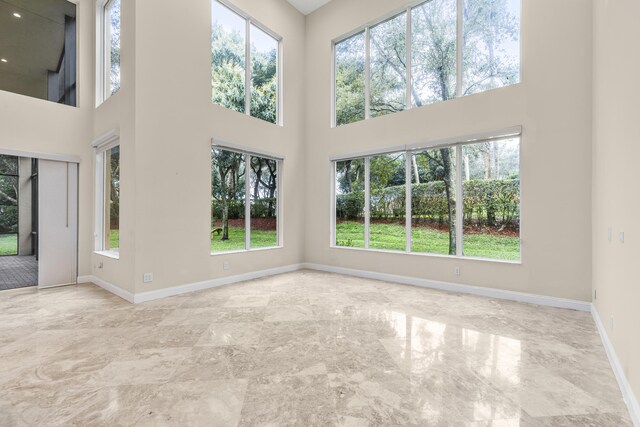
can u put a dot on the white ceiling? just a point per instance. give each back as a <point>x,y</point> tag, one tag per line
<point>308,6</point>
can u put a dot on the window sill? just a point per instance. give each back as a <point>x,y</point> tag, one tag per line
<point>419,254</point>
<point>241,251</point>
<point>108,254</point>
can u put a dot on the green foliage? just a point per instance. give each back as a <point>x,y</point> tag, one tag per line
<point>8,194</point>
<point>492,203</point>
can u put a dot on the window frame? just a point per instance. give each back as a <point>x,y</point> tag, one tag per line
<point>248,153</point>
<point>249,21</point>
<point>408,56</point>
<point>102,146</point>
<point>103,69</point>
<point>458,143</point>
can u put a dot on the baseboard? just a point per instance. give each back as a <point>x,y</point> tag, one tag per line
<point>125,295</point>
<point>454,287</point>
<point>627,393</point>
<point>213,283</point>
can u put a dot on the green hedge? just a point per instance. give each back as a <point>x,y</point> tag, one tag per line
<point>262,208</point>
<point>495,203</point>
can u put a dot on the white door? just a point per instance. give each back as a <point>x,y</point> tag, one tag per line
<point>57,224</point>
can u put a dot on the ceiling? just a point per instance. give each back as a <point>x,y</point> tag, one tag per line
<point>32,44</point>
<point>308,6</point>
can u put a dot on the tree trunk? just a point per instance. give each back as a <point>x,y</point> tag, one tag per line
<point>225,204</point>
<point>347,176</point>
<point>451,202</point>
<point>415,169</point>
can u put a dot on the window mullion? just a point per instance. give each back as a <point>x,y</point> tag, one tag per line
<point>367,73</point>
<point>408,59</point>
<point>247,202</point>
<point>247,71</point>
<point>367,200</point>
<point>408,200</point>
<point>459,47</point>
<point>459,203</point>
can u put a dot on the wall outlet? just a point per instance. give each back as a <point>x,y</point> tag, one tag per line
<point>621,237</point>
<point>100,265</point>
<point>226,265</point>
<point>456,271</point>
<point>147,277</point>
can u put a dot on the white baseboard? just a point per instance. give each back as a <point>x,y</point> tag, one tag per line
<point>627,393</point>
<point>454,287</point>
<point>213,283</point>
<point>126,295</point>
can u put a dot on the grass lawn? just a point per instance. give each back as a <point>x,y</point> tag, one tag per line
<point>9,244</point>
<point>259,239</point>
<point>427,240</point>
<point>114,239</point>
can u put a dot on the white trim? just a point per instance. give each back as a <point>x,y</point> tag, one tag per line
<point>243,149</point>
<point>109,287</point>
<point>618,370</point>
<point>41,156</point>
<point>107,140</point>
<point>248,174</point>
<point>213,283</point>
<point>108,254</point>
<point>367,73</point>
<point>454,287</point>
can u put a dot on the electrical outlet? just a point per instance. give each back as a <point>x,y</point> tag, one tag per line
<point>621,237</point>
<point>147,277</point>
<point>100,265</point>
<point>456,271</point>
<point>226,265</point>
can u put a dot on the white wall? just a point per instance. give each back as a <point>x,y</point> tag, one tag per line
<point>175,121</point>
<point>552,104</point>
<point>34,125</point>
<point>616,201</point>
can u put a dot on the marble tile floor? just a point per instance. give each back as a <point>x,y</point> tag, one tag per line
<point>306,349</point>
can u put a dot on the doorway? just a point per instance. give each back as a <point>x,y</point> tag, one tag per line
<point>38,222</point>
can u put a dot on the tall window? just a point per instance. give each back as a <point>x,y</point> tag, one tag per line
<point>108,200</point>
<point>430,53</point>
<point>110,48</point>
<point>245,62</point>
<point>244,200</point>
<point>8,205</point>
<point>463,200</point>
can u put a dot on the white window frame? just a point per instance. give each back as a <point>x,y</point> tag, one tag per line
<point>103,63</point>
<point>102,145</point>
<point>367,41</point>
<point>457,143</point>
<point>248,152</point>
<point>249,21</point>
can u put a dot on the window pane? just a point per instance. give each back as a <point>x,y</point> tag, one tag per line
<point>492,199</point>
<point>433,52</point>
<point>491,48</point>
<point>227,201</point>
<point>112,27</point>
<point>8,165</point>
<point>388,68</point>
<point>112,199</point>
<point>350,59</point>
<point>387,229</point>
<point>228,58</point>
<point>433,202</point>
<point>350,203</point>
<point>264,202</point>
<point>8,205</point>
<point>264,78</point>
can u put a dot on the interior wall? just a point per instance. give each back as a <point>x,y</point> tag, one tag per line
<point>615,200</point>
<point>118,112</point>
<point>552,104</point>
<point>33,125</point>
<point>175,121</point>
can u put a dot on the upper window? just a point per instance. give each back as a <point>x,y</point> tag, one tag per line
<point>463,200</point>
<point>108,199</point>
<point>429,53</point>
<point>244,200</point>
<point>245,63</point>
<point>110,48</point>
